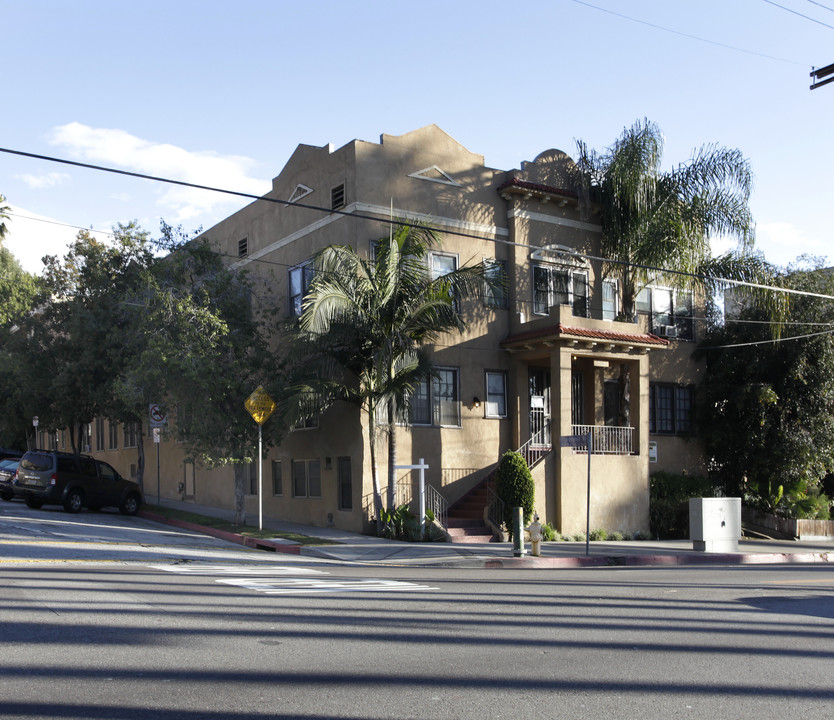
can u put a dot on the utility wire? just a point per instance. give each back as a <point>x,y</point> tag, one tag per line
<point>392,221</point>
<point>687,35</point>
<point>795,12</point>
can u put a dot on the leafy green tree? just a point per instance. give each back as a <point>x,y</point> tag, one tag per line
<point>766,409</point>
<point>655,219</point>
<point>208,350</point>
<point>363,329</point>
<point>514,485</point>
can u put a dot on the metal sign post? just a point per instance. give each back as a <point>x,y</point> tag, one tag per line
<point>422,467</point>
<point>260,407</point>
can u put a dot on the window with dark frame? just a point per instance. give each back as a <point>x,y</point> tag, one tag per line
<point>113,435</point>
<point>243,247</point>
<point>670,312</point>
<point>495,289</point>
<point>277,478</point>
<point>306,479</point>
<point>299,279</point>
<point>345,480</point>
<point>337,197</point>
<point>100,439</point>
<point>554,285</point>
<point>496,394</point>
<point>671,409</point>
<point>436,402</point>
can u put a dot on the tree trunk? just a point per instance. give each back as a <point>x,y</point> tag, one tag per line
<point>374,468</point>
<point>140,459</point>
<point>392,456</point>
<point>241,475</point>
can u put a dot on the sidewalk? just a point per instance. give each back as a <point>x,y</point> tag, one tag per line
<point>364,549</point>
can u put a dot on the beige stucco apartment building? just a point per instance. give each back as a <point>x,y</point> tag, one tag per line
<point>545,359</point>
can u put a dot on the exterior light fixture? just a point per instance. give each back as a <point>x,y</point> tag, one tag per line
<point>476,402</point>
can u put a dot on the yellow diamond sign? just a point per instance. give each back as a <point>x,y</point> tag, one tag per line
<point>260,405</point>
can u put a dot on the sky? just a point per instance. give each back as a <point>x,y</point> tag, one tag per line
<point>221,93</point>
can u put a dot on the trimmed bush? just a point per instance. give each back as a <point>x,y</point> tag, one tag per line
<point>514,485</point>
<point>669,502</point>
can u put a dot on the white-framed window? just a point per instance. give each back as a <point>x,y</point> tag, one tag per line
<point>610,298</point>
<point>298,282</point>
<point>306,478</point>
<point>496,394</point>
<point>131,435</point>
<point>670,312</point>
<point>100,440</point>
<point>495,290</point>
<point>441,264</point>
<point>437,401</point>
<point>555,285</point>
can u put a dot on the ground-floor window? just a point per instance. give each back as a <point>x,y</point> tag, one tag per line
<point>277,478</point>
<point>345,484</point>
<point>306,478</point>
<point>671,409</point>
<point>436,401</point>
<point>496,394</point>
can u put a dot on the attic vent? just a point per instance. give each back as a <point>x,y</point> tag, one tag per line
<point>337,197</point>
<point>299,192</point>
<point>434,174</point>
<point>243,247</point>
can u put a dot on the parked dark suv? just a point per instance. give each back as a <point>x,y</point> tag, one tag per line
<point>74,481</point>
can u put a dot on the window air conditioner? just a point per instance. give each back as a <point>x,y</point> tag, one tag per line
<point>670,331</point>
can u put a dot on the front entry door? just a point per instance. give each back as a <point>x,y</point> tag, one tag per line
<point>540,406</point>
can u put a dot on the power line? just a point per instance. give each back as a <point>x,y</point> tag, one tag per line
<point>400,222</point>
<point>686,35</point>
<point>795,12</point>
<point>766,342</point>
<point>62,224</point>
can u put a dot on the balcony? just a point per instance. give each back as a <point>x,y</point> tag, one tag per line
<point>605,439</point>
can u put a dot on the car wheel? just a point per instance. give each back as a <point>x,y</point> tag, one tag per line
<point>74,501</point>
<point>33,503</point>
<point>6,495</point>
<point>130,505</point>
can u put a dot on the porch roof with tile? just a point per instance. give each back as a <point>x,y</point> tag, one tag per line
<point>588,337</point>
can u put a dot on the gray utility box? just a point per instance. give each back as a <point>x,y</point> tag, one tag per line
<point>715,524</point>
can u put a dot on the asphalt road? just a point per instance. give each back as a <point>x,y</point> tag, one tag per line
<point>109,617</point>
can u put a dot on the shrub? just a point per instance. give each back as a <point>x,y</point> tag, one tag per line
<point>514,485</point>
<point>616,536</point>
<point>548,533</point>
<point>578,537</point>
<point>599,534</point>
<point>669,501</point>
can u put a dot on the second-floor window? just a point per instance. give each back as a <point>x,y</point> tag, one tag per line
<point>554,285</point>
<point>299,280</point>
<point>495,287</point>
<point>437,401</point>
<point>670,312</point>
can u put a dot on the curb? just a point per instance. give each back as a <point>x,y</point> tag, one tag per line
<point>273,545</point>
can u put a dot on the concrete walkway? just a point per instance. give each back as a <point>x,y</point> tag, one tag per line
<point>364,549</point>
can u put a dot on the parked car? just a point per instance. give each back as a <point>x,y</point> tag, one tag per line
<point>5,453</point>
<point>8,468</point>
<point>55,478</point>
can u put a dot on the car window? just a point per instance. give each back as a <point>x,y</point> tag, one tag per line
<point>5,463</point>
<point>67,465</point>
<point>36,461</point>
<point>88,467</point>
<point>106,472</point>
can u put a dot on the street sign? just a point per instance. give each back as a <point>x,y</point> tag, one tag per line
<point>573,441</point>
<point>260,405</point>
<point>157,415</point>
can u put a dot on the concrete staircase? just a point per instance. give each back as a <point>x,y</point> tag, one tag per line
<point>465,519</point>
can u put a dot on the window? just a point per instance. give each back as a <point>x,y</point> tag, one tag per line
<point>277,478</point>
<point>559,286</point>
<point>671,409</point>
<point>299,280</point>
<point>100,434</point>
<point>243,247</point>
<point>610,296</point>
<point>252,473</point>
<point>496,394</point>
<point>306,478</point>
<point>669,311</point>
<point>113,435</point>
<point>440,265</point>
<point>436,401</point>
<point>345,484</point>
<point>131,435</point>
<point>86,439</point>
<point>495,289</point>
<point>307,423</point>
<point>337,197</point>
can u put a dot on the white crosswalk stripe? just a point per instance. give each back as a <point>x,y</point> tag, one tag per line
<point>279,580</point>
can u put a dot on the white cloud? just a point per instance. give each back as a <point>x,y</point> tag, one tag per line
<point>43,181</point>
<point>119,149</point>
<point>31,236</point>
<point>783,242</point>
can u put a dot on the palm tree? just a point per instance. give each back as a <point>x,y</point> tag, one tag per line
<point>361,336</point>
<point>653,219</point>
<point>4,210</point>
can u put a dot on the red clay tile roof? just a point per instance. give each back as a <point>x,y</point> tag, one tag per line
<point>560,330</point>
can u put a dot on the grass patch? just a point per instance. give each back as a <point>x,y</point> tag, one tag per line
<point>246,530</point>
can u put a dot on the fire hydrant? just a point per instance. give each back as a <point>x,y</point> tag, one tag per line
<point>535,531</point>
